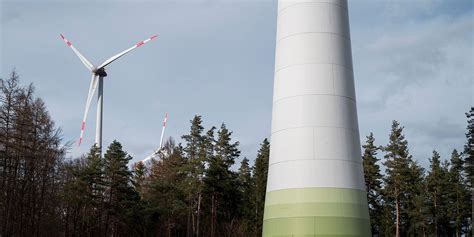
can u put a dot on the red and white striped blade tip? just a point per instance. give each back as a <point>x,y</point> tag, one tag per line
<point>82,132</point>
<point>65,40</point>
<point>145,41</point>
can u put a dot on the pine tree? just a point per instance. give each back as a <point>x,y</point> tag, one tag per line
<point>458,194</point>
<point>469,158</point>
<point>415,200</point>
<point>247,203</point>
<point>397,163</point>
<point>437,187</point>
<point>373,183</point>
<point>260,174</point>
<point>194,153</point>
<point>221,184</point>
<point>225,149</point>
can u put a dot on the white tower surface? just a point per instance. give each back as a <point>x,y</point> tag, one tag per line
<point>315,179</point>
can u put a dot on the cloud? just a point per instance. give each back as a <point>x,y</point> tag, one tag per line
<point>416,67</point>
<point>417,55</point>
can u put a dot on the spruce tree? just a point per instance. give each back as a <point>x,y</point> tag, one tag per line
<point>83,194</point>
<point>93,176</point>
<point>260,174</point>
<point>139,175</point>
<point>120,196</point>
<point>373,183</point>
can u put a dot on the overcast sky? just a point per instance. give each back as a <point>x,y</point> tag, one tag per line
<point>413,62</point>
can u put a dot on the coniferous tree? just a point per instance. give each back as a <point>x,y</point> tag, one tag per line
<point>120,196</point>
<point>139,175</point>
<point>74,197</point>
<point>437,187</point>
<point>193,150</point>
<point>247,203</point>
<point>221,184</point>
<point>93,177</point>
<point>397,163</point>
<point>166,192</point>
<point>373,183</point>
<point>469,158</point>
<point>414,207</point>
<point>458,195</point>
<point>260,174</point>
<point>83,193</point>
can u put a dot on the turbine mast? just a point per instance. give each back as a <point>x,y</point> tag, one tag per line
<point>163,130</point>
<point>315,175</point>
<point>100,105</point>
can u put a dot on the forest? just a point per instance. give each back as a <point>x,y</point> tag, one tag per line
<point>195,187</point>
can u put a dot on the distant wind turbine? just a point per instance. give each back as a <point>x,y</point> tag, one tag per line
<point>163,130</point>
<point>155,153</point>
<point>98,74</point>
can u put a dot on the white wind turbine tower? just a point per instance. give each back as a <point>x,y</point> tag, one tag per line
<point>98,74</point>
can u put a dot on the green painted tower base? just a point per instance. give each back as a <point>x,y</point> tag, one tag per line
<point>316,212</point>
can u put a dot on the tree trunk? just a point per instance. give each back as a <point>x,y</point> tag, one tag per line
<point>188,226</point>
<point>435,213</point>
<point>169,227</point>
<point>397,221</point>
<point>212,215</point>
<point>198,214</point>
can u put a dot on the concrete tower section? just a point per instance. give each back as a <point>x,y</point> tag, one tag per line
<point>315,178</point>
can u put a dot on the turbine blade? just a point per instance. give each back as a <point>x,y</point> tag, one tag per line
<point>92,88</point>
<point>81,57</point>
<point>117,56</point>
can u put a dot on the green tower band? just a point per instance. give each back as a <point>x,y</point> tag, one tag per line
<point>316,212</point>
<point>315,179</point>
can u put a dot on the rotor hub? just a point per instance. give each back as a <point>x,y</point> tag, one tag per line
<point>101,72</point>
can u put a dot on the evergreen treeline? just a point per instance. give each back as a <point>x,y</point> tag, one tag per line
<point>195,188</point>
<point>189,190</point>
<point>407,200</point>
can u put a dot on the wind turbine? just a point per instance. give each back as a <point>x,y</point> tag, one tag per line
<point>163,129</point>
<point>98,74</point>
<point>155,153</point>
